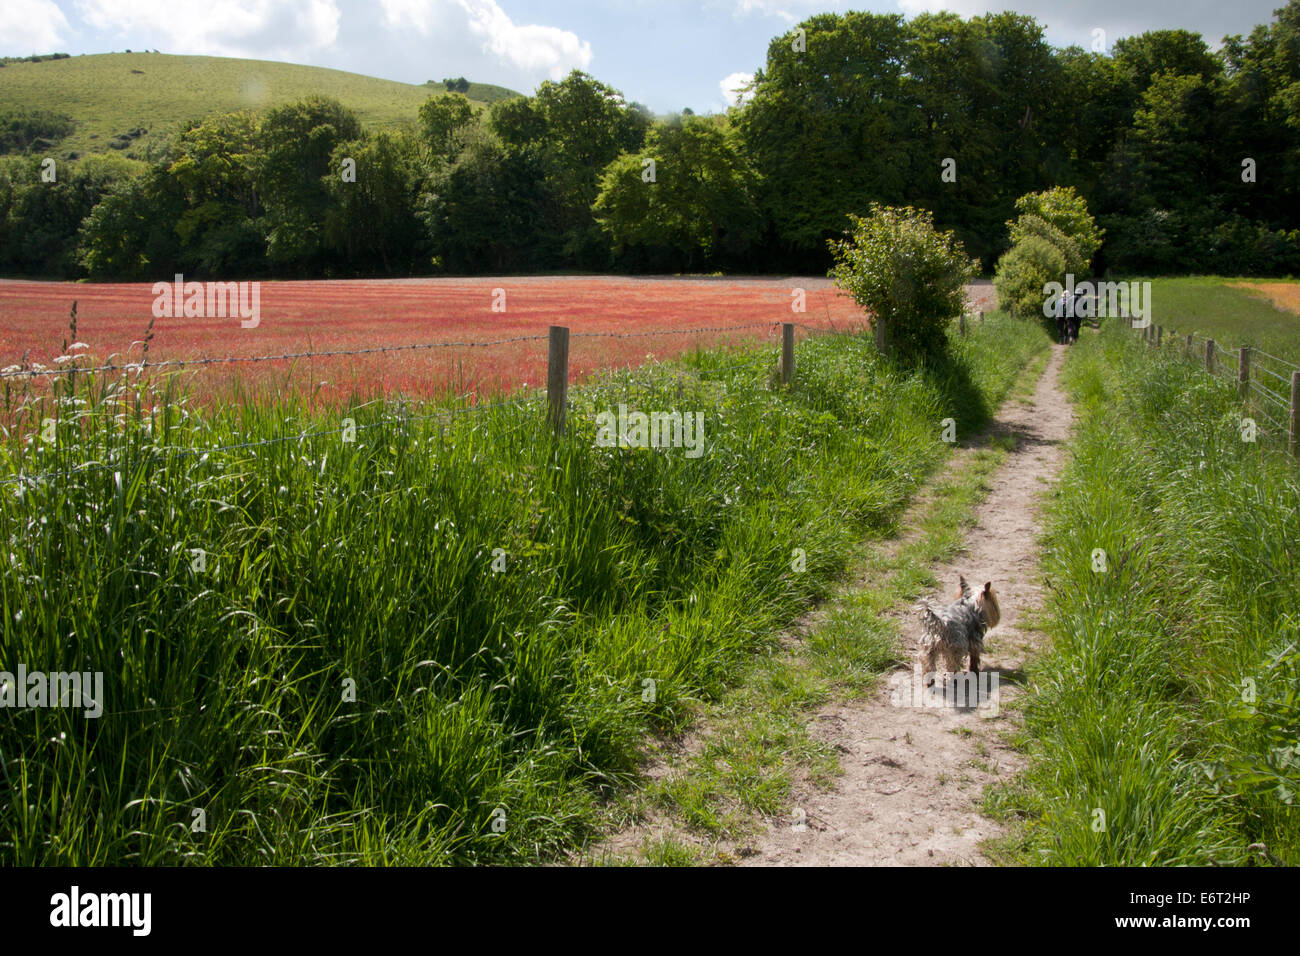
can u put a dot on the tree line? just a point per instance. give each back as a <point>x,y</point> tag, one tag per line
<point>1189,158</point>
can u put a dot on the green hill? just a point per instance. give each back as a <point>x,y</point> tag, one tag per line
<point>479,92</point>
<point>123,101</point>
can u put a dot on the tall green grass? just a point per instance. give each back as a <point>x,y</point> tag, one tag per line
<point>493,710</point>
<point>1163,722</point>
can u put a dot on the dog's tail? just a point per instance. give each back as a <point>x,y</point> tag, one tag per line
<point>931,624</point>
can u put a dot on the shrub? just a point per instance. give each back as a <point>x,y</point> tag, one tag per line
<point>1023,271</point>
<point>906,274</point>
<point>1067,211</point>
<point>1033,225</point>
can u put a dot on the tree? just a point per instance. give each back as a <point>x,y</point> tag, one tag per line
<point>910,277</point>
<point>299,140</point>
<point>823,129</point>
<point>372,223</point>
<point>570,130</point>
<point>948,80</point>
<point>1179,52</point>
<point>39,219</point>
<point>485,212</point>
<point>214,165</point>
<point>444,120</point>
<point>130,234</point>
<point>701,207</point>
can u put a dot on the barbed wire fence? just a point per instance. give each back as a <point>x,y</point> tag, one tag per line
<point>1268,385</point>
<point>556,398</point>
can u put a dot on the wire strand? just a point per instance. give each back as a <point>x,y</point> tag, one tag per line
<point>232,359</point>
<point>1274,358</point>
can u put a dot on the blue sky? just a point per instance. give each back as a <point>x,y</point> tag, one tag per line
<point>667,54</point>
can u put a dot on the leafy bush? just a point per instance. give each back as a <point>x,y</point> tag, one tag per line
<point>1054,236</point>
<point>20,130</point>
<point>907,275</point>
<point>1064,209</point>
<point>1033,225</point>
<point>1023,271</point>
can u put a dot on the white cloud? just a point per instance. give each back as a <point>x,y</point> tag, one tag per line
<point>771,8</point>
<point>527,47</point>
<point>533,50</point>
<point>31,26</point>
<point>791,11</point>
<point>257,28</point>
<point>421,15</point>
<point>732,86</point>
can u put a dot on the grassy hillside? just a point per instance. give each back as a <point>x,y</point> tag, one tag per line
<point>478,92</point>
<point>110,95</point>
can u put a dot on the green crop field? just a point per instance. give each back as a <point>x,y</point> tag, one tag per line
<point>110,95</point>
<point>1233,312</point>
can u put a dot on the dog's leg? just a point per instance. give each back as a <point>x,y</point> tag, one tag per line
<point>951,659</point>
<point>927,663</point>
<point>975,657</point>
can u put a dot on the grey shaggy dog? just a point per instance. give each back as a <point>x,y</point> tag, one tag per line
<point>957,629</point>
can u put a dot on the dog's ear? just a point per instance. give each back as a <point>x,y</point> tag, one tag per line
<point>988,586</point>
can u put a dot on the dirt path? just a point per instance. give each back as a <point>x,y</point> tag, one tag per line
<point>913,777</point>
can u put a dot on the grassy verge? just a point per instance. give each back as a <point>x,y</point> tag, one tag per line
<point>442,641</point>
<point>758,734</point>
<point>1162,724</point>
<point>757,738</point>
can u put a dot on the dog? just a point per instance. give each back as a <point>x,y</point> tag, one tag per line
<point>957,629</point>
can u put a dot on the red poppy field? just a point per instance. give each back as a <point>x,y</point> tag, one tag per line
<point>346,315</point>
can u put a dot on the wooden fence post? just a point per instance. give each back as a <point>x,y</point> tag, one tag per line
<point>962,323</point>
<point>1243,371</point>
<point>1209,356</point>
<point>1295,415</point>
<point>557,377</point>
<point>787,352</point>
<point>981,315</point>
<point>1160,335</point>
<point>1189,344</point>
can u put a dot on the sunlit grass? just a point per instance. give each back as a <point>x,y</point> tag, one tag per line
<point>345,677</point>
<point>1161,724</point>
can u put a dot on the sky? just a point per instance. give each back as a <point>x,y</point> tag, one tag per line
<point>667,54</point>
